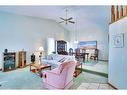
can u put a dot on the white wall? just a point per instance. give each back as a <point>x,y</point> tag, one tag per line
<point>93,32</point>
<point>118,56</point>
<point>19,32</point>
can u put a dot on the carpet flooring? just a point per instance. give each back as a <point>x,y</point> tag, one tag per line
<point>24,79</point>
<point>20,79</point>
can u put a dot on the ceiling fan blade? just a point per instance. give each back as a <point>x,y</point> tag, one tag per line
<point>62,18</point>
<point>61,22</point>
<point>71,22</point>
<point>70,18</point>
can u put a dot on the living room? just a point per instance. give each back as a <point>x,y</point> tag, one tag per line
<point>29,28</point>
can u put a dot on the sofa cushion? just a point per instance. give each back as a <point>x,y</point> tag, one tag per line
<point>62,60</point>
<point>49,57</point>
<point>58,57</point>
<point>53,63</point>
<point>55,59</point>
<point>49,61</point>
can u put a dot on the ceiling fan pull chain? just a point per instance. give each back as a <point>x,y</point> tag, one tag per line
<point>66,16</point>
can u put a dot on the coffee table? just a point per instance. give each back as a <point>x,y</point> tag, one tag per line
<point>38,67</point>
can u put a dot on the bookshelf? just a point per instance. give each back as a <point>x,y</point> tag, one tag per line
<point>61,46</point>
<point>9,60</point>
<point>21,59</point>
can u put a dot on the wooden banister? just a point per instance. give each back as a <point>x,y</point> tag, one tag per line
<point>118,12</point>
<point>126,11</point>
<point>121,11</point>
<point>112,14</point>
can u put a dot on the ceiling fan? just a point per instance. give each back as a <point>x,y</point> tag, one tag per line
<point>66,19</point>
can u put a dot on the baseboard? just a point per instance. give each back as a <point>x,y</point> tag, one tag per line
<point>102,60</point>
<point>113,86</point>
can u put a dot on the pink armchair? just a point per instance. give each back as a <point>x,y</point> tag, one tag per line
<point>61,77</point>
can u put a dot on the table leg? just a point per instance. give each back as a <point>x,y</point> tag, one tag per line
<point>87,57</point>
<point>30,67</point>
<point>81,67</point>
<point>84,58</point>
<point>50,67</point>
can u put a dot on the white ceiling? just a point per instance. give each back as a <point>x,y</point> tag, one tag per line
<point>82,14</point>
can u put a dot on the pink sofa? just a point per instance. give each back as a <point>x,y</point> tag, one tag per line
<point>61,77</point>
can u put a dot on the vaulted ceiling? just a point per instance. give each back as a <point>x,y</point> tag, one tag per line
<point>83,15</point>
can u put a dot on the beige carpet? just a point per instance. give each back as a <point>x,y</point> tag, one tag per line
<point>94,86</point>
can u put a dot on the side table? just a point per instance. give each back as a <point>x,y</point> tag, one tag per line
<point>78,69</point>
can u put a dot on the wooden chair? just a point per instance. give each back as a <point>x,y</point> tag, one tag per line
<point>83,51</point>
<point>94,56</point>
<point>78,54</point>
<point>70,51</point>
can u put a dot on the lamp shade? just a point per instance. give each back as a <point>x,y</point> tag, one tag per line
<point>41,48</point>
<point>76,42</point>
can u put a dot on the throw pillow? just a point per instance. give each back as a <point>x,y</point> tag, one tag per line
<point>62,60</point>
<point>51,58</point>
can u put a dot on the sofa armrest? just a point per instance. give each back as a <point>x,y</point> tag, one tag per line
<point>50,77</point>
<point>55,71</point>
<point>51,72</point>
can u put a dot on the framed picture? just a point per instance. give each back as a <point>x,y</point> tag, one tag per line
<point>88,44</point>
<point>118,40</point>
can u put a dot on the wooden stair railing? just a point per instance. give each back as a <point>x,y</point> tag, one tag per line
<point>118,12</point>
